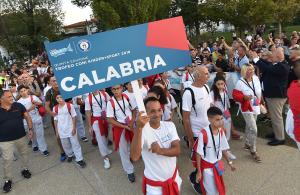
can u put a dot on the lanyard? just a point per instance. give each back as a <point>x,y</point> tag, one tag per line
<point>252,88</point>
<point>239,60</point>
<point>191,76</point>
<point>123,109</point>
<point>100,104</point>
<point>212,136</point>
<point>224,103</point>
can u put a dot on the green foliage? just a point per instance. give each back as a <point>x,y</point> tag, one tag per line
<point>81,3</point>
<point>121,13</point>
<point>246,14</point>
<point>243,15</point>
<point>285,10</point>
<point>25,24</point>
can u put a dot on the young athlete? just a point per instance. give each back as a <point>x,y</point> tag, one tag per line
<point>220,99</point>
<point>65,128</point>
<point>30,102</point>
<point>121,114</point>
<point>158,144</point>
<point>95,109</point>
<point>212,144</point>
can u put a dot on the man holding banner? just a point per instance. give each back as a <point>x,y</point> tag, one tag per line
<point>158,144</point>
<point>121,114</point>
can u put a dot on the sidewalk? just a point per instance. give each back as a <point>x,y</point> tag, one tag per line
<point>279,173</point>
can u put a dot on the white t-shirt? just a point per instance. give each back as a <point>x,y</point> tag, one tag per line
<point>158,167</point>
<point>34,114</point>
<point>15,94</point>
<point>46,89</point>
<point>168,108</point>
<point>131,97</point>
<point>223,104</point>
<point>203,101</point>
<point>187,79</point>
<point>210,152</point>
<point>144,91</point>
<point>74,101</point>
<point>119,108</point>
<point>97,108</point>
<point>64,120</point>
<point>42,70</point>
<point>242,86</point>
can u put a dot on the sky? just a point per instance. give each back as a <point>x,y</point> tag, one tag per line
<point>73,13</point>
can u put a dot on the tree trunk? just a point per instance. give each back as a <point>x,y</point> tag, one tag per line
<point>253,29</point>
<point>279,28</point>
<point>197,25</point>
<point>240,32</point>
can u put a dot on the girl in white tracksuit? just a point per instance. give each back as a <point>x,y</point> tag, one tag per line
<point>220,99</point>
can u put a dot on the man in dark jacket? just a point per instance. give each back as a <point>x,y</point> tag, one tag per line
<point>275,81</point>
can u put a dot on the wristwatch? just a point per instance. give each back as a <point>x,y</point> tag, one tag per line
<point>230,162</point>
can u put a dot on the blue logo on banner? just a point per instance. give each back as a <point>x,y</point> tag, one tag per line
<point>84,45</point>
<point>58,52</point>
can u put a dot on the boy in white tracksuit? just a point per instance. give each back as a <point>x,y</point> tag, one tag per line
<point>31,102</point>
<point>95,109</point>
<point>121,112</point>
<point>65,128</point>
<point>212,144</point>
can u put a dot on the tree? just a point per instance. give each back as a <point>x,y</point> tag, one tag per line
<point>285,11</point>
<point>243,15</point>
<point>25,24</point>
<point>121,13</point>
<point>81,3</point>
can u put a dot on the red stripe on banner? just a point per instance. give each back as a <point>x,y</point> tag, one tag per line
<point>168,33</point>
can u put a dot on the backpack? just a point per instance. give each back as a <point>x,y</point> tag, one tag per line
<point>91,99</point>
<point>205,141</point>
<point>41,109</point>
<point>68,106</point>
<point>114,106</point>
<point>193,96</point>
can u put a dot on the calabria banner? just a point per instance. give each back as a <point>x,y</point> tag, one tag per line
<point>86,63</point>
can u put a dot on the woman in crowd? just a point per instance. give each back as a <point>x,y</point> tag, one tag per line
<point>247,93</point>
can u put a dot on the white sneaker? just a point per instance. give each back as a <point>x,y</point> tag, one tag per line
<point>106,163</point>
<point>231,156</point>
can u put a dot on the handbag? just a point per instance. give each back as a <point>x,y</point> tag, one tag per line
<point>41,109</point>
